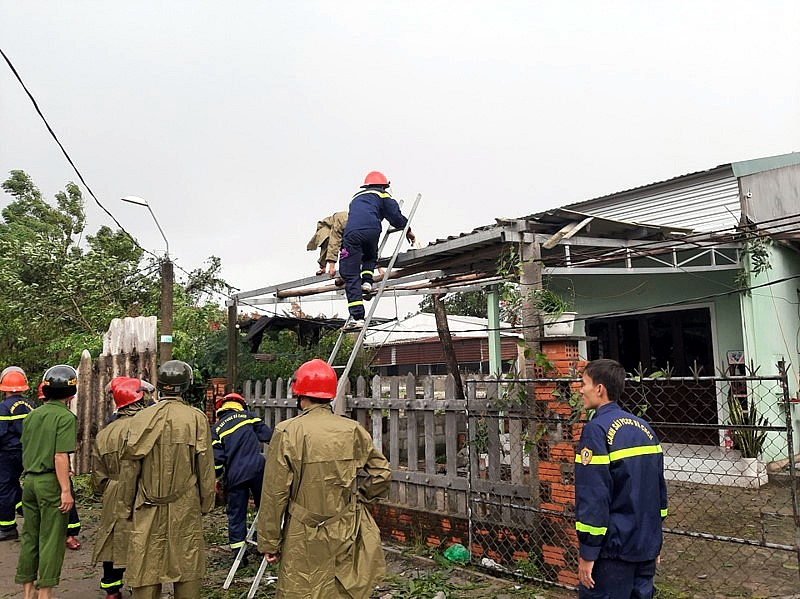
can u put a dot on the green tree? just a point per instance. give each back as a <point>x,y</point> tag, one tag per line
<point>59,291</point>
<point>56,297</point>
<point>461,303</point>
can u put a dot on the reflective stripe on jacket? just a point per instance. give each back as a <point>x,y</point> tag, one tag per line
<point>369,207</point>
<point>237,439</point>
<point>13,410</point>
<point>620,491</point>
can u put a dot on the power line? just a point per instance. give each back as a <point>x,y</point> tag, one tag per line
<point>66,154</point>
<point>207,289</point>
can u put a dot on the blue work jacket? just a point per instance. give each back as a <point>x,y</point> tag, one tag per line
<point>370,206</point>
<point>620,491</point>
<point>237,439</point>
<point>13,410</point>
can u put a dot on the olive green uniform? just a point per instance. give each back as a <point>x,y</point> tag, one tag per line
<point>330,545</point>
<point>328,238</point>
<point>48,430</point>
<point>170,445</point>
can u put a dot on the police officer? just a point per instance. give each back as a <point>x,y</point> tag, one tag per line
<point>170,443</point>
<point>328,545</point>
<point>620,492</point>
<point>238,438</point>
<point>359,254</point>
<point>115,479</point>
<point>48,437</point>
<point>13,409</point>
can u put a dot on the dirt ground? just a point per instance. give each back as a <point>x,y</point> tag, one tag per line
<point>408,575</point>
<point>692,568</point>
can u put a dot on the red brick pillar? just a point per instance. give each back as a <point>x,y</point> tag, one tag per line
<point>557,457</point>
<point>215,388</point>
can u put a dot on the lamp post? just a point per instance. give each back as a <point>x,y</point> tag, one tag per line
<point>167,280</point>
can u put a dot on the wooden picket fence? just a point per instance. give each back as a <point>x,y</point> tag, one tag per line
<point>129,349</point>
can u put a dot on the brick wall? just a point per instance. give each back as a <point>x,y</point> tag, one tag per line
<point>214,388</point>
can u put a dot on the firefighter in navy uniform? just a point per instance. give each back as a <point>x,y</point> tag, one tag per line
<point>359,253</point>
<point>237,438</point>
<point>13,410</point>
<point>620,492</point>
<point>48,437</point>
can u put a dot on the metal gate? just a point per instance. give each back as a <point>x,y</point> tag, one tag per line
<point>733,524</point>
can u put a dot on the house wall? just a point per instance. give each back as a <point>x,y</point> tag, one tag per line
<point>772,195</point>
<point>772,327</point>
<point>608,295</point>
<point>467,350</point>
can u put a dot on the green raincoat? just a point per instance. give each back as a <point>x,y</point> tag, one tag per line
<point>330,545</point>
<point>171,446</point>
<point>328,237</point>
<point>115,480</point>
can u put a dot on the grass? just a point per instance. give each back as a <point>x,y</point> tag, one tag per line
<point>426,585</point>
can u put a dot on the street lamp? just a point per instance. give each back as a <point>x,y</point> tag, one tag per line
<point>140,202</point>
<point>167,280</point>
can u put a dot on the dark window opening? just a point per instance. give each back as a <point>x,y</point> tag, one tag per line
<point>680,341</point>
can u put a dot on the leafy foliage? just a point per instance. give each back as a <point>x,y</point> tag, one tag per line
<point>288,354</point>
<point>59,291</point>
<point>750,441</point>
<point>462,303</point>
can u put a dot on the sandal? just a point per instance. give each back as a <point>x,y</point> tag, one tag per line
<point>73,543</point>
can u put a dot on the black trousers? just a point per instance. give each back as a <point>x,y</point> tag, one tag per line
<point>238,497</point>
<point>112,578</point>
<point>10,489</point>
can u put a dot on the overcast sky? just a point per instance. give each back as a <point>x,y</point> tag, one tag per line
<point>244,123</point>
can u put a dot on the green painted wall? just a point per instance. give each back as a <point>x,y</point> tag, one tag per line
<point>772,328</point>
<point>765,324</point>
<point>608,295</point>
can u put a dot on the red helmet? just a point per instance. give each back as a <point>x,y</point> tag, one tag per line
<point>230,397</point>
<point>126,390</point>
<point>375,178</point>
<point>13,379</point>
<point>315,379</point>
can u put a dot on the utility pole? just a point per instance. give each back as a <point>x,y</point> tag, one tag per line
<point>167,281</point>
<point>233,346</point>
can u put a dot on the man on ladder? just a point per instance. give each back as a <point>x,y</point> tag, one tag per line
<point>368,209</point>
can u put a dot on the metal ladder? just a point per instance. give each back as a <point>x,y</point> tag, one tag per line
<point>339,405</point>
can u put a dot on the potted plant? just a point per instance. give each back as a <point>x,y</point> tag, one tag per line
<point>749,441</point>
<point>556,310</point>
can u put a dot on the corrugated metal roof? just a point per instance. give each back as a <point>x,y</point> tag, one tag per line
<point>705,201</point>
<point>701,201</point>
<point>708,203</point>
